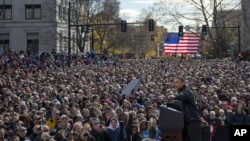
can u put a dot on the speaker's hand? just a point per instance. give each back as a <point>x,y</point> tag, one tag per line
<point>171,97</point>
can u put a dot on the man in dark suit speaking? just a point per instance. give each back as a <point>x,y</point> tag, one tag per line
<point>186,102</point>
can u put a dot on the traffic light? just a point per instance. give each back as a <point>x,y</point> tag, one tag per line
<point>152,37</point>
<point>151,25</point>
<point>82,29</point>
<point>123,26</point>
<point>180,30</point>
<point>204,30</point>
<point>86,28</point>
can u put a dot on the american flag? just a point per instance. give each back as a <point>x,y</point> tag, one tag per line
<point>187,44</point>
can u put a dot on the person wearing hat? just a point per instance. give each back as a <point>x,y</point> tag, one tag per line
<point>186,100</point>
<point>21,132</point>
<point>65,123</point>
<point>97,132</point>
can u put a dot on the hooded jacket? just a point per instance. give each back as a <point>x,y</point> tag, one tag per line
<point>114,133</point>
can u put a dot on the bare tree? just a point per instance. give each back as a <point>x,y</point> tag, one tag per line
<point>197,12</point>
<point>144,36</point>
<point>81,12</point>
<point>245,23</point>
<point>105,21</point>
<point>95,15</point>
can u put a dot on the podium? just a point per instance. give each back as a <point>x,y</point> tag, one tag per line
<point>171,124</point>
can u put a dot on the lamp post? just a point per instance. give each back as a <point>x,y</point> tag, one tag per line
<point>69,35</point>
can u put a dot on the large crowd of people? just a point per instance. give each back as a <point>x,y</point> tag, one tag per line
<point>44,99</point>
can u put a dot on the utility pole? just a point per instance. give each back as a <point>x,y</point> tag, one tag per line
<point>239,43</point>
<point>69,35</point>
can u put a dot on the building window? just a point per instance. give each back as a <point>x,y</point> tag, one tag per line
<point>4,41</point>
<point>64,14</point>
<point>33,43</point>
<point>5,13</point>
<point>60,41</point>
<point>74,41</point>
<point>33,11</point>
<point>60,12</point>
<point>65,42</point>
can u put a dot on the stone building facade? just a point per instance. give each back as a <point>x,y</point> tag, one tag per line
<point>34,25</point>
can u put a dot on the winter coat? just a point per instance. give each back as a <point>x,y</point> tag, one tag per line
<point>99,136</point>
<point>187,104</point>
<point>238,119</point>
<point>114,133</point>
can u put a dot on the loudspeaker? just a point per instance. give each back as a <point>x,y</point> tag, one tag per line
<point>170,120</point>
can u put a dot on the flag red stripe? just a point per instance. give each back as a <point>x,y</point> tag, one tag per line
<point>181,48</point>
<point>191,34</point>
<point>189,38</point>
<point>181,45</point>
<point>213,129</point>
<point>189,41</point>
<point>181,51</point>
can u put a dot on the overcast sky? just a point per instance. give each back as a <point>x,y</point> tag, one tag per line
<point>130,9</point>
